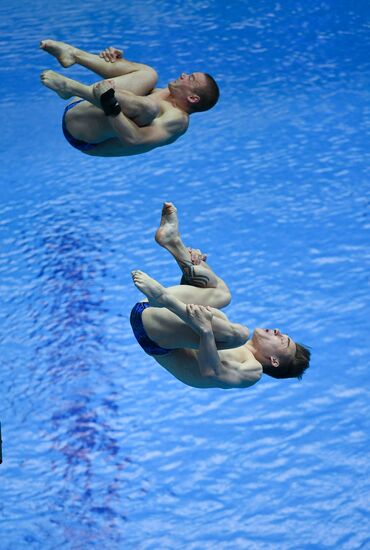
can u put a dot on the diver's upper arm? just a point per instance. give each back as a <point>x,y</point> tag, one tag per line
<point>239,375</point>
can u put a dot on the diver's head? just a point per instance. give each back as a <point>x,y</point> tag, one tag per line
<point>194,92</point>
<point>278,354</point>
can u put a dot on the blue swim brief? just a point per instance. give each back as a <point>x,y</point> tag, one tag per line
<point>150,347</point>
<point>77,143</point>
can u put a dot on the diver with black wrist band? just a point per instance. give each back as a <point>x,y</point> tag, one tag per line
<point>125,113</point>
<point>109,103</point>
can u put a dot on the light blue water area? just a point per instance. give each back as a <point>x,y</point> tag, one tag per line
<point>102,448</point>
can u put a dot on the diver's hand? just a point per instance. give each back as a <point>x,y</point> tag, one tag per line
<point>111,54</point>
<point>103,86</point>
<point>196,256</point>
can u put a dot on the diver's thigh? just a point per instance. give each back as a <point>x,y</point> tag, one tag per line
<point>139,82</point>
<point>215,297</point>
<point>167,330</point>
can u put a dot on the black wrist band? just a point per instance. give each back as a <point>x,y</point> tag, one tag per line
<point>109,103</point>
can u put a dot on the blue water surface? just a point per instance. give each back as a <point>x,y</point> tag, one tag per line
<point>101,447</point>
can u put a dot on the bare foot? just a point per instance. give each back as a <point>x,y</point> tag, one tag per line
<point>56,82</point>
<point>199,318</point>
<point>150,287</point>
<point>64,53</point>
<point>168,231</point>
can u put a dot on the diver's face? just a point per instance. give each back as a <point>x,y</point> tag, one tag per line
<point>187,84</point>
<point>271,343</point>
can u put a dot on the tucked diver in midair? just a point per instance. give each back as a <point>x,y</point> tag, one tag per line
<point>184,330</point>
<point>124,114</point>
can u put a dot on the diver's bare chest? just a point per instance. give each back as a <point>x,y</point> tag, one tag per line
<point>240,355</point>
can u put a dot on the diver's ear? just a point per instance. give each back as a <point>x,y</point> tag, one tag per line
<point>274,361</point>
<point>193,98</point>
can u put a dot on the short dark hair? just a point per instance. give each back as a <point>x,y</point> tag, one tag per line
<point>294,369</point>
<point>208,94</point>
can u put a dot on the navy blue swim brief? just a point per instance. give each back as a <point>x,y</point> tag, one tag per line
<point>77,143</point>
<point>150,347</point>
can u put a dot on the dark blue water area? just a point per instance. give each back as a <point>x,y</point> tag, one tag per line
<point>101,447</point>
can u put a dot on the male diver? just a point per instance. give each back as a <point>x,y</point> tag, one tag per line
<point>183,329</point>
<point>124,114</point>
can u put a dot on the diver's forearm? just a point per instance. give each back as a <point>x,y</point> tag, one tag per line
<point>142,110</point>
<point>208,358</point>
<point>127,131</point>
<point>130,104</point>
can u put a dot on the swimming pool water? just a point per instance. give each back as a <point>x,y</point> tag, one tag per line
<point>102,448</point>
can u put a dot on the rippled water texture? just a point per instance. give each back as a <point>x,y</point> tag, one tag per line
<point>102,448</point>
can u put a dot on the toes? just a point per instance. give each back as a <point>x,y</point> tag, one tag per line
<point>168,205</point>
<point>44,44</point>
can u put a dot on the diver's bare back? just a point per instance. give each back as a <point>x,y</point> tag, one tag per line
<point>172,120</point>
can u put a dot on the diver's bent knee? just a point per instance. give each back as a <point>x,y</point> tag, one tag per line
<point>240,334</point>
<point>227,296</point>
<point>224,296</point>
<point>152,109</point>
<point>152,76</point>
